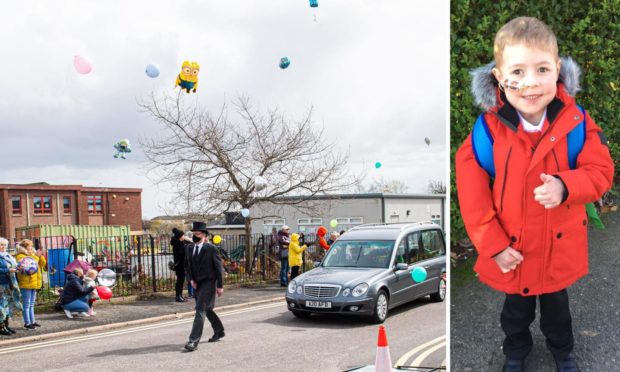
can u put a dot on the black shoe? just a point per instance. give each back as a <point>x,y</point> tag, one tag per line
<point>513,365</point>
<point>4,331</point>
<point>180,299</point>
<point>569,364</point>
<point>35,324</point>
<point>217,336</point>
<point>191,346</point>
<point>28,326</point>
<point>6,325</point>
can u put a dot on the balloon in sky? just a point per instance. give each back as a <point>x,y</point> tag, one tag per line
<point>217,239</point>
<point>152,70</point>
<point>260,183</point>
<point>427,140</point>
<point>418,274</point>
<point>284,62</point>
<point>245,212</point>
<point>188,77</point>
<point>333,223</point>
<point>104,292</point>
<point>314,3</point>
<point>123,147</point>
<point>378,165</point>
<point>106,277</point>
<point>82,64</point>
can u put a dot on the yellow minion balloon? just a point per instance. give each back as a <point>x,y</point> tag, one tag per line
<point>188,78</point>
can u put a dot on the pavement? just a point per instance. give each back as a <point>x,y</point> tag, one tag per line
<point>475,332</point>
<point>135,310</point>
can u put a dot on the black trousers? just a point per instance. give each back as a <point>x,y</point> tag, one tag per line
<point>555,323</point>
<point>205,301</point>
<point>294,271</point>
<point>180,273</point>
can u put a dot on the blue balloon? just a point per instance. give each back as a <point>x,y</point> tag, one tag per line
<point>152,70</point>
<point>245,212</point>
<point>418,274</point>
<point>314,3</point>
<point>284,62</point>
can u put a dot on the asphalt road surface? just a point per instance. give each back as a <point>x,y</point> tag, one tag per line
<point>263,338</point>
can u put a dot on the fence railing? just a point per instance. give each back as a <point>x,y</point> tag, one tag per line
<point>141,261</point>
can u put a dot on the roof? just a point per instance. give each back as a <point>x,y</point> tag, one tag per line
<point>44,186</point>
<point>384,231</point>
<point>364,196</point>
<point>226,227</point>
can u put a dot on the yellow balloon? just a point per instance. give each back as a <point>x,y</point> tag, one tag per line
<point>217,239</point>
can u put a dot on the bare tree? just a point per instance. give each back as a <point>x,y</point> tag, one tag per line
<point>384,186</point>
<point>216,162</point>
<point>436,187</point>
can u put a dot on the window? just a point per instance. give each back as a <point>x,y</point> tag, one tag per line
<point>270,223</point>
<point>432,244</point>
<point>401,253</point>
<point>66,204</point>
<point>42,204</point>
<point>16,202</point>
<point>95,204</point>
<point>413,247</point>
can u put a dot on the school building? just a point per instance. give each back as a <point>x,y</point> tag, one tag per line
<point>44,204</point>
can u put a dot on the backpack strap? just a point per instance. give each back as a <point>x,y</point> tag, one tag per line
<point>482,144</point>
<point>576,139</point>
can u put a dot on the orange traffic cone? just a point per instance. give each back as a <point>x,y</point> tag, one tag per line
<point>383,361</point>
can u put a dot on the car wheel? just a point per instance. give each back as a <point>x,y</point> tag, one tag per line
<point>440,295</point>
<point>381,308</point>
<point>301,314</point>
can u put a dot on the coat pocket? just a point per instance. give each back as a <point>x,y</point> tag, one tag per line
<point>488,268</point>
<point>569,250</point>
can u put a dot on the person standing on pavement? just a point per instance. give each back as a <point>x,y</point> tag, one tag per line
<point>179,243</point>
<point>30,283</point>
<point>10,296</point>
<point>204,270</point>
<point>294,255</point>
<point>283,241</point>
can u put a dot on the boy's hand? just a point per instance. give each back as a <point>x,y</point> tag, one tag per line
<point>550,193</point>
<point>508,259</point>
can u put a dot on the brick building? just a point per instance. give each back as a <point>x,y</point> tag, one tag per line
<point>41,203</point>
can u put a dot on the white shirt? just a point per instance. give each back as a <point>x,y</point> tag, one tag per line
<point>197,248</point>
<point>531,128</point>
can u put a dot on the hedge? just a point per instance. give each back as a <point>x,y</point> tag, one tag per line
<point>587,31</point>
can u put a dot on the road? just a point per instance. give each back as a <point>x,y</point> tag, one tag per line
<point>263,338</point>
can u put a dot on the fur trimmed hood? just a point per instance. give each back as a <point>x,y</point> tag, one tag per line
<point>484,85</point>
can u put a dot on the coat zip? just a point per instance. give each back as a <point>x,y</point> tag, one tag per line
<point>501,203</point>
<point>557,163</point>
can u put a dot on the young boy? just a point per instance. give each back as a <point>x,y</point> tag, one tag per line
<point>528,222</point>
<point>90,280</point>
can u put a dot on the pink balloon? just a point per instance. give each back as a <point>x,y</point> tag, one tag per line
<point>82,65</point>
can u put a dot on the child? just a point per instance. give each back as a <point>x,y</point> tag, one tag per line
<point>294,255</point>
<point>529,225</point>
<point>90,280</point>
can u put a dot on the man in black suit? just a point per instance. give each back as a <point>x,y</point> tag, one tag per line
<point>203,267</point>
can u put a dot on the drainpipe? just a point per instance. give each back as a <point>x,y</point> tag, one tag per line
<point>27,208</point>
<point>382,208</point>
<point>58,209</point>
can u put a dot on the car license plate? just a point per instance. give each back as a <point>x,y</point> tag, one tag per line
<point>319,304</point>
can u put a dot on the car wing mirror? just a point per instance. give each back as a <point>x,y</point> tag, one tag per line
<point>401,266</point>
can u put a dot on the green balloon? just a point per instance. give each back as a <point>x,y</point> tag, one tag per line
<point>418,274</point>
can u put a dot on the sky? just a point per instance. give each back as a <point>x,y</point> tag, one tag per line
<point>376,73</point>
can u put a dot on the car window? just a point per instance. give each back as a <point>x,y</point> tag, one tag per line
<point>432,244</point>
<point>413,247</point>
<point>401,253</point>
<point>348,253</point>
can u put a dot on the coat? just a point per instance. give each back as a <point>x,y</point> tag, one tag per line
<point>206,267</point>
<point>320,233</point>
<point>502,212</point>
<point>283,242</point>
<point>178,252</point>
<point>74,289</point>
<point>34,281</point>
<point>295,251</point>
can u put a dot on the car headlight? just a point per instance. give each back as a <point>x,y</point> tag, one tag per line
<point>292,286</point>
<point>299,289</point>
<point>346,292</point>
<point>360,290</point>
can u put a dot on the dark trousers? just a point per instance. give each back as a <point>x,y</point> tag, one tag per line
<point>180,273</point>
<point>294,271</point>
<point>555,323</point>
<point>205,301</point>
<point>284,271</point>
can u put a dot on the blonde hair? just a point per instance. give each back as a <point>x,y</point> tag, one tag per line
<point>26,243</point>
<point>527,30</point>
<point>92,271</point>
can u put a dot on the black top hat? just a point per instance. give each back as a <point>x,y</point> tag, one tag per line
<point>199,226</point>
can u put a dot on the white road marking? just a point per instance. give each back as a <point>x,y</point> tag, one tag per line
<point>127,331</point>
<point>420,360</point>
<point>402,360</point>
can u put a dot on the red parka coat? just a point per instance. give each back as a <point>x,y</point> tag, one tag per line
<point>503,212</point>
